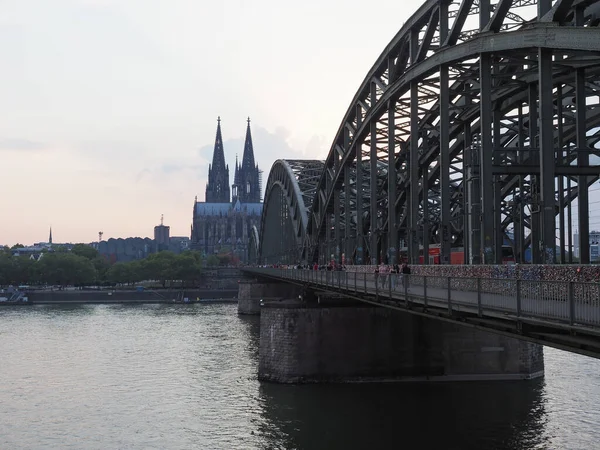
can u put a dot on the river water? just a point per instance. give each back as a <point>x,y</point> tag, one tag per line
<point>184,377</point>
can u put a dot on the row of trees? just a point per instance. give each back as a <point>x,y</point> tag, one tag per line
<point>84,266</point>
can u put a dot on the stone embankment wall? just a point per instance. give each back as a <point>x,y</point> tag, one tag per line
<point>345,344</point>
<point>106,296</point>
<point>250,293</point>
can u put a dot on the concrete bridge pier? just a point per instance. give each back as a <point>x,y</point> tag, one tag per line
<point>302,343</point>
<point>250,293</point>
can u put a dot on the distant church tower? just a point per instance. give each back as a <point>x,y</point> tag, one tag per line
<point>217,188</point>
<point>246,182</point>
<point>50,237</point>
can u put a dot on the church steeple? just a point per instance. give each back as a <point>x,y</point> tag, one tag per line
<point>50,237</point>
<point>248,158</point>
<point>218,160</point>
<point>236,177</point>
<point>236,181</point>
<point>217,188</point>
<point>247,177</point>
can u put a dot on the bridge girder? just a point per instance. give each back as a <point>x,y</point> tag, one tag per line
<point>291,187</point>
<point>253,245</point>
<point>489,120</point>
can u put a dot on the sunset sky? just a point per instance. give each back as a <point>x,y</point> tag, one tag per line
<point>109,107</point>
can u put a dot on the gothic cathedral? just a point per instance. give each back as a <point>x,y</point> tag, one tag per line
<point>224,223</point>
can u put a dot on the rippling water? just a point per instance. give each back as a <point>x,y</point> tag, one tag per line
<point>184,377</point>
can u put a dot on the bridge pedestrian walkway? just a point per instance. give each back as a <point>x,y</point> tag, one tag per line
<point>568,306</point>
<point>508,297</point>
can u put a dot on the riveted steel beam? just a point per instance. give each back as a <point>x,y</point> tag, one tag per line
<point>420,90</point>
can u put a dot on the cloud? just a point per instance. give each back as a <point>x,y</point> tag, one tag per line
<point>171,168</point>
<point>268,147</point>
<point>206,151</point>
<point>317,146</point>
<point>170,173</point>
<point>111,150</point>
<point>142,174</point>
<point>176,168</point>
<point>20,145</point>
<point>231,147</point>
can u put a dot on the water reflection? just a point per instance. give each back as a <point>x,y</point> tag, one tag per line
<point>185,377</point>
<point>251,327</point>
<point>508,415</point>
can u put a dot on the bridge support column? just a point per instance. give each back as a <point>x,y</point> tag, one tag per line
<point>251,292</point>
<point>300,344</point>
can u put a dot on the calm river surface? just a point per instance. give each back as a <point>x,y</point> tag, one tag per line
<point>184,377</point>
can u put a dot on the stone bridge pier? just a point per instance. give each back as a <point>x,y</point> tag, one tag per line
<point>308,342</point>
<point>251,292</point>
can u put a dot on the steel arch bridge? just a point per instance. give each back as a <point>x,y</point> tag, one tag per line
<point>291,188</point>
<point>479,122</point>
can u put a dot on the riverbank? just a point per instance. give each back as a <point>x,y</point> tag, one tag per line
<point>131,296</point>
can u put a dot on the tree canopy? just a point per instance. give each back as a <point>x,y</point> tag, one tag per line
<point>83,265</point>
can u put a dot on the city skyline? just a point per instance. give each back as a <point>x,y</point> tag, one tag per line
<point>109,107</point>
<point>208,150</point>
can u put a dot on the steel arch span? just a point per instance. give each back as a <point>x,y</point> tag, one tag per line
<point>478,125</point>
<point>290,190</point>
<point>253,245</point>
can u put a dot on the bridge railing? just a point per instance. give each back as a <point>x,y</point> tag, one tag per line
<point>566,302</point>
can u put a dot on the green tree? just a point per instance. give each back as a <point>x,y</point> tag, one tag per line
<point>160,266</point>
<point>65,269</point>
<point>120,273</point>
<point>6,269</point>
<point>225,259</point>
<point>212,261</point>
<point>187,268</point>
<point>22,269</point>
<point>101,265</point>
<point>197,255</point>
<point>87,251</point>
<point>138,270</point>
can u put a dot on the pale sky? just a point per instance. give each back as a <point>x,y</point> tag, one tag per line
<point>108,108</point>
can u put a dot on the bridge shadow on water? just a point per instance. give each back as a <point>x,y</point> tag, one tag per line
<point>476,415</point>
<point>251,326</point>
<point>446,415</point>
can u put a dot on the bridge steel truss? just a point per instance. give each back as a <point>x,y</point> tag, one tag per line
<point>479,122</point>
<point>253,245</point>
<point>291,188</point>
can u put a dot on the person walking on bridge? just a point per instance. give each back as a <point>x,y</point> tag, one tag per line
<point>406,276</point>
<point>394,274</point>
<point>384,271</point>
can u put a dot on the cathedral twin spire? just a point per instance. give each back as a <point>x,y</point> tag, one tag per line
<point>246,184</point>
<point>246,181</point>
<point>217,188</point>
